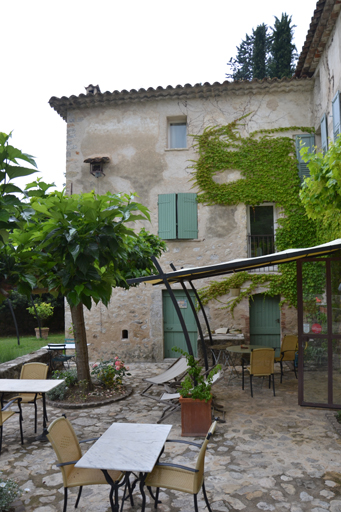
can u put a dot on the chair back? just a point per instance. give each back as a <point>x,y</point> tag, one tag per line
<point>262,361</point>
<point>289,347</point>
<point>65,443</point>
<point>34,371</point>
<point>200,465</point>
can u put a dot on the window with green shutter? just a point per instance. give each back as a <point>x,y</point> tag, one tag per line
<point>336,115</point>
<point>324,134</point>
<point>309,142</point>
<point>178,216</point>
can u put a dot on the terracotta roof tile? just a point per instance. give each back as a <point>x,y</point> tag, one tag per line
<point>63,105</point>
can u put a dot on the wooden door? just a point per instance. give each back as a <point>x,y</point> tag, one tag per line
<point>173,335</point>
<point>265,321</point>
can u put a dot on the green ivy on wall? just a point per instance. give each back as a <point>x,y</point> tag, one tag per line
<point>266,160</point>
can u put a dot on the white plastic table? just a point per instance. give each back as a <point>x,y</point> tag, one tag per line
<point>31,386</point>
<point>130,447</point>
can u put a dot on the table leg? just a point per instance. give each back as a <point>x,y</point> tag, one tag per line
<point>114,489</point>
<point>42,436</point>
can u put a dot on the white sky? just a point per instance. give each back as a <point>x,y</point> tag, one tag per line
<point>56,48</point>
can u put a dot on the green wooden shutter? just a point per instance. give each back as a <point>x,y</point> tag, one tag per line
<point>336,115</point>
<point>324,134</point>
<point>187,216</point>
<point>308,141</point>
<point>167,216</point>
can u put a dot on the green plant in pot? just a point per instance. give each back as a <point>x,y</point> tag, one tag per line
<point>44,310</point>
<point>196,397</point>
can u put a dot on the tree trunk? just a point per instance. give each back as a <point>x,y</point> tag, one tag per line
<point>82,357</point>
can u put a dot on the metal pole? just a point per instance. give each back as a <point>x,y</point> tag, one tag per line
<point>196,319</point>
<point>14,319</point>
<point>175,303</point>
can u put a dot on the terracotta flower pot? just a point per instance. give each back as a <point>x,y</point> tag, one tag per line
<point>44,332</point>
<point>196,417</point>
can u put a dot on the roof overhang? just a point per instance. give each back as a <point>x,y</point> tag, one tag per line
<point>239,265</point>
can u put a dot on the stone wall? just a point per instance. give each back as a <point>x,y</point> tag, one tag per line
<point>12,369</point>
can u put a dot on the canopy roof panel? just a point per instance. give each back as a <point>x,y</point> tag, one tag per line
<point>239,265</point>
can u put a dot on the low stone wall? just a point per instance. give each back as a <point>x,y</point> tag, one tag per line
<point>12,369</point>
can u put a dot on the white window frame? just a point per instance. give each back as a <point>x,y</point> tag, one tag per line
<point>175,120</point>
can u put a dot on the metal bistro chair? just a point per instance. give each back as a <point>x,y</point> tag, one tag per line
<point>58,354</point>
<point>288,352</point>
<point>261,365</point>
<point>33,371</point>
<point>5,415</point>
<point>66,445</point>
<point>182,478</point>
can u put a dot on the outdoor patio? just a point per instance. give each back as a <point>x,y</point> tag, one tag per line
<point>270,454</point>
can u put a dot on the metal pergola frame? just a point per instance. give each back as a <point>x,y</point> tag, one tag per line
<point>238,265</point>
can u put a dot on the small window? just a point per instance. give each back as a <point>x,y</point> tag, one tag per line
<point>307,141</point>
<point>177,133</point>
<point>262,232</point>
<point>178,217</point>
<point>324,134</point>
<point>336,115</point>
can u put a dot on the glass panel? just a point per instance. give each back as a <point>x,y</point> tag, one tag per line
<point>315,374</point>
<point>335,272</point>
<point>337,372</point>
<point>177,135</point>
<point>314,297</point>
<point>262,239</point>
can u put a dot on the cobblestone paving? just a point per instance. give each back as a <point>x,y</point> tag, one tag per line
<point>270,454</point>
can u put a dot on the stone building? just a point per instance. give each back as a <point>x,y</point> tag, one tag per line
<point>142,141</point>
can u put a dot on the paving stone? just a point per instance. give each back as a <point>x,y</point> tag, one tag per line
<point>257,460</point>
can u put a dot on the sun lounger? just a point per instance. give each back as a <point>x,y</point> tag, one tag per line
<point>171,378</point>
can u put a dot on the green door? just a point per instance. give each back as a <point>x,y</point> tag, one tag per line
<point>265,321</point>
<point>173,335</point>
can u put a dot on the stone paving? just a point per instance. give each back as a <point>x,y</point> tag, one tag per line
<point>270,454</point>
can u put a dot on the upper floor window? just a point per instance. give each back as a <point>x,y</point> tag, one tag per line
<point>178,217</point>
<point>308,141</point>
<point>336,110</point>
<point>261,238</point>
<point>177,133</point>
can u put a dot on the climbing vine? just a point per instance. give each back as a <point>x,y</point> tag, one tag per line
<point>266,160</point>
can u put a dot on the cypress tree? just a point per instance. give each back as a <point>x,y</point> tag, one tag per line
<point>283,51</point>
<point>260,52</point>
<point>241,66</point>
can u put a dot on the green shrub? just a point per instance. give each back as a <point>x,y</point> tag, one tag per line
<point>70,378</point>
<point>110,373</point>
<point>9,491</point>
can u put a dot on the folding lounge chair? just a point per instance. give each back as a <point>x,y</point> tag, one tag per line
<point>174,405</point>
<point>171,377</point>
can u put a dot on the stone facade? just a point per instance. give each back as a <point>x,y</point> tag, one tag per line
<point>132,130</point>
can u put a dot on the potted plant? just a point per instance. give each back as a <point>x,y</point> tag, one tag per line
<point>44,310</point>
<point>196,398</point>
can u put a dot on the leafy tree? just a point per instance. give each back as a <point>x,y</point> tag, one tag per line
<point>283,51</point>
<point>265,53</point>
<point>83,248</point>
<point>321,192</point>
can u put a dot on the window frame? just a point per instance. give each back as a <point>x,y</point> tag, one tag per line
<point>180,120</point>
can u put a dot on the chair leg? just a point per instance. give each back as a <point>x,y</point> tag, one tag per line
<point>0,438</point>
<point>251,386</point>
<point>35,416</point>
<point>281,363</point>
<point>205,497</point>
<point>273,383</point>
<point>242,374</point>
<point>195,503</point>
<point>20,425</point>
<point>79,496</point>
<point>269,381</point>
<point>65,499</point>
<point>156,501</point>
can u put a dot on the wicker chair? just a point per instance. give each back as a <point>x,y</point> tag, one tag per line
<point>33,371</point>
<point>288,352</point>
<point>5,415</point>
<point>261,365</point>
<point>66,445</point>
<point>181,478</point>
